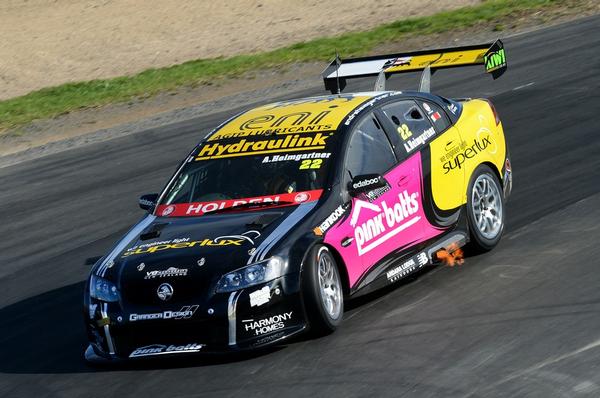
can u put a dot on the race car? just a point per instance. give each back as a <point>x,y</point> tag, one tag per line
<point>285,211</point>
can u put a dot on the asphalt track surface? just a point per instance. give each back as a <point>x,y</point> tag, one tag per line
<point>523,320</point>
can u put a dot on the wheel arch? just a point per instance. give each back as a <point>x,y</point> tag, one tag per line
<point>494,168</point>
<point>339,262</point>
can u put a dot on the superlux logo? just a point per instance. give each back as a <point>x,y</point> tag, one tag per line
<point>389,220</point>
<point>184,245</point>
<point>469,152</point>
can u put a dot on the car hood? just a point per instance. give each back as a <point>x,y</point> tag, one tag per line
<point>192,253</point>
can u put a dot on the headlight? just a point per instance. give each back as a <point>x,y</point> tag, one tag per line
<point>102,289</point>
<point>250,275</point>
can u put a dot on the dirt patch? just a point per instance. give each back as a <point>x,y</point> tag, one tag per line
<point>49,42</point>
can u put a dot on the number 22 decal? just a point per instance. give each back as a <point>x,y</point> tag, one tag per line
<point>311,164</point>
<point>404,132</point>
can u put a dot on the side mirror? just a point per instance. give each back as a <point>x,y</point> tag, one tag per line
<point>365,183</point>
<point>148,201</point>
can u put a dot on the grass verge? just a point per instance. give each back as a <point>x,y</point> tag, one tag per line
<point>53,101</point>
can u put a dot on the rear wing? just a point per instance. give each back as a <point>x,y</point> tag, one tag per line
<point>490,55</point>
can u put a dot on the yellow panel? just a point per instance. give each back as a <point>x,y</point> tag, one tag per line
<point>480,141</point>
<point>447,188</point>
<point>451,58</point>
<point>290,117</point>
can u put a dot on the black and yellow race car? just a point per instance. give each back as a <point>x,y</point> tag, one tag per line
<point>285,211</point>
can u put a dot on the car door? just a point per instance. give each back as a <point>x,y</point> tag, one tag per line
<point>447,185</point>
<point>424,128</point>
<point>384,220</point>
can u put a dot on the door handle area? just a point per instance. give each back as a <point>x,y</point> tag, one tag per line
<point>403,180</point>
<point>347,241</point>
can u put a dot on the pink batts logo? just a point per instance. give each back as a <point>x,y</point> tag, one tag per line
<point>389,221</point>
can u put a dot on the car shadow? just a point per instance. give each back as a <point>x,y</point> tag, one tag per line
<point>46,334</point>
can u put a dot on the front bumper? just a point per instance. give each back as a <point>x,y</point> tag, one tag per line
<point>246,319</point>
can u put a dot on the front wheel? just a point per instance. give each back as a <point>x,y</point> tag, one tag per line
<point>323,294</point>
<point>485,210</point>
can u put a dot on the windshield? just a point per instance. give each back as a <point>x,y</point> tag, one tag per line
<point>278,169</point>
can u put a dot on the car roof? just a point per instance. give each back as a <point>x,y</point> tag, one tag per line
<point>312,114</point>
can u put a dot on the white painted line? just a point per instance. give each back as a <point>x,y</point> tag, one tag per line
<point>523,86</point>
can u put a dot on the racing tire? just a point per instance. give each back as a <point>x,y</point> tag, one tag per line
<point>323,291</point>
<point>485,210</point>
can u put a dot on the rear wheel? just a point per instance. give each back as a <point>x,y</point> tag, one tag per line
<point>323,294</point>
<point>485,210</point>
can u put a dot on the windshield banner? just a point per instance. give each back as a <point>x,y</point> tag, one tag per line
<point>201,208</point>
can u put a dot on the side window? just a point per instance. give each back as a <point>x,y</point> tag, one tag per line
<point>437,116</point>
<point>369,150</point>
<point>413,127</point>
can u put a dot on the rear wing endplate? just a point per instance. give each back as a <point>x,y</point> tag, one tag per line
<point>490,55</point>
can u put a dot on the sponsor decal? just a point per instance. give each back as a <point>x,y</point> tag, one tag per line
<point>435,116</point>
<point>397,62</point>
<point>167,273</point>
<point>367,104</point>
<point>302,197</point>
<point>201,262</point>
<point>388,221</point>
<point>331,219</point>
<point>164,291</point>
<point>366,183</point>
<point>201,208</point>
<point>184,313</point>
<point>277,144</point>
<point>167,210</point>
<point>376,193</point>
<point>407,267</point>
<point>141,267</point>
<point>158,349</point>
<point>267,325</point>
<point>419,140</point>
<point>146,202</point>
<point>467,153</point>
<point>296,157</point>
<point>266,339</point>
<point>452,149</point>
<point>248,236</point>
<point>326,99</point>
<point>184,243</point>
<point>427,108</point>
<point>494,60</point>
<point>404,132</point>
<point>452,108</point>
<point>260,297</point>
<point>304,116</point>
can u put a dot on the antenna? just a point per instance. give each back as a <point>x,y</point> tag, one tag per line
<point>338,63</point>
